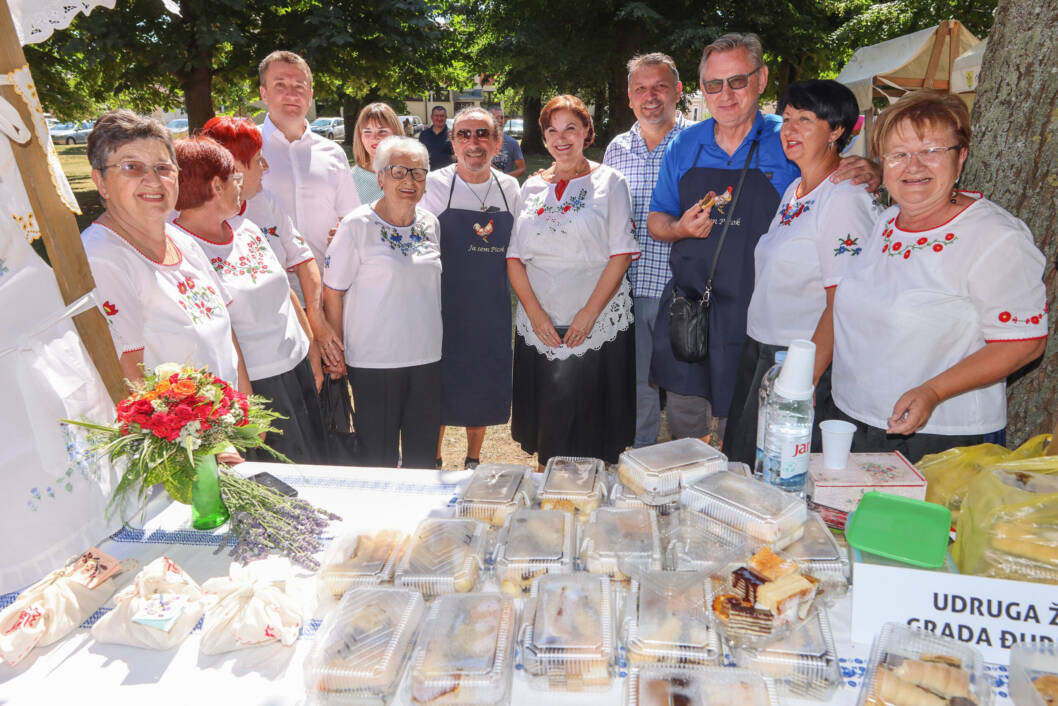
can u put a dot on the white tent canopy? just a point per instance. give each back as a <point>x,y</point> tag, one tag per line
<point>967,69</point>
<point>922,59</point>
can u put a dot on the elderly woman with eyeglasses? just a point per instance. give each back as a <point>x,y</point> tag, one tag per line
<point>163,300</point>
<point>382,293</point>
<point>265,314</point>
<point>945,301</point>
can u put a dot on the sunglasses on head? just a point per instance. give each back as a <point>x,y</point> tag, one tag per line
<point>482,133</point>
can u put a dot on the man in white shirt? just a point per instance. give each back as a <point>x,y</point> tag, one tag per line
<point>308,174</point>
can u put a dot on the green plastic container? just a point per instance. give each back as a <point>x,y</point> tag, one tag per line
<point>903,529</point>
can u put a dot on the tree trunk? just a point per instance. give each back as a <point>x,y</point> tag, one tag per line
<point>1014,161</point>
<point>532,142</point>
<point>197,85</point>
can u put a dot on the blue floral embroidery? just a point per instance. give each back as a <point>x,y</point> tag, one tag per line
<point>269,230</point>
<point>849,245</point>
<point>789,213</point>
<point>326,261</point>
<point>3,267</point>
<point>391,236</point>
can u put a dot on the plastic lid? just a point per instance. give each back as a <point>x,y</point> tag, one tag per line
<point>748,505</point>
<point>664,622</point>
<point>361,648</point>
<point>494,491</point>
<point>533,543</point>
<point>804,663</point>
<point>905,529</point>
<point>705,546</point>
<point>899,654</point>
<point>565,476</point>
<point>795,379</point>
<point>711,686</point>
<point>360,560</point>
<point>445,556</point>
<point>1033,668</point>
<point>617,541</point>
<point>657,472</point>
<point>464,653</point>
<point>568,631</point>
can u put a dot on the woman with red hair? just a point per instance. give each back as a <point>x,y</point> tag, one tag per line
<point>243,139</point>
<point>271,327</point>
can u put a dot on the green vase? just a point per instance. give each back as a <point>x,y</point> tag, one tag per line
<point>207,507</point>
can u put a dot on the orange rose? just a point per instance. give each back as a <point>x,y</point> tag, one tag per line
<point>184,387</point>
<point>162,387</point>
<point>150,395</point>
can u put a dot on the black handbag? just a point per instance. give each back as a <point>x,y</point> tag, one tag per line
<point>689,316</point>
<point>339,423</point>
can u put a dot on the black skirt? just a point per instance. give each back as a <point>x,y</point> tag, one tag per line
<point>581,406</point>
<point>293,394</point>
<point>740,439</point>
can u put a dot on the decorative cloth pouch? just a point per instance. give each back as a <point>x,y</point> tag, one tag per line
<point>249,611</point>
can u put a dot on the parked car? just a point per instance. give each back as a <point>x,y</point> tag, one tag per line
<point>177,128</point>
<point>513,127</point>
<point>71,133</point>
<point>414,122</point>
<point>331,128</point>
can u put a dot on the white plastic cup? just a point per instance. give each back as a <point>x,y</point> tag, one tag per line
<point>795,378</point>
<point>837,442</point>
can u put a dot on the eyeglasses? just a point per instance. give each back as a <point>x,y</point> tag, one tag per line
<point>237,177</point>
<point>482,133</point>
<point>929,158</point>
<point>399,171</point>
<point>138,170</point>
<point>736,82</point>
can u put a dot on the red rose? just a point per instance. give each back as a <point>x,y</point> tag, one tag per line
<point>922,241</point>
<point>1004,317</point>
<point>937,247</point>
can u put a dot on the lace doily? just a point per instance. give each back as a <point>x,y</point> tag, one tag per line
<point>616,316</point>
<point>35,20</point>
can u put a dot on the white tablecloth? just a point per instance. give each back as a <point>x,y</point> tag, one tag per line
<point>78,670</point>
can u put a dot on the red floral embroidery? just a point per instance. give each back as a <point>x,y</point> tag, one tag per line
<point>170,565</point>
<point>1006,317</point>
<point>897,245</point>
<point>28,618</point>
<point>950,236</point>
<point>181,287</point>
<point>937,247</point>
<point>923,242</point>
<point>109,309</point>
<point>270,632</point>
<point>907,254</point>
<point>566,208</point>
<point>539,211</point>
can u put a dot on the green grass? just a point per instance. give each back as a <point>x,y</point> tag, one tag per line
<point>79,173</point>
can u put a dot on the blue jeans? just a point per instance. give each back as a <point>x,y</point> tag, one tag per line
<point>648,401</point>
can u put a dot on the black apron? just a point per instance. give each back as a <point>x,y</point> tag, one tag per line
<point>690,260</point>
<point>476,314</point>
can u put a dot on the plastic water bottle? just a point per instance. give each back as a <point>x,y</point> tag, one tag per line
<point>788,420</point>
<point>766,385</point>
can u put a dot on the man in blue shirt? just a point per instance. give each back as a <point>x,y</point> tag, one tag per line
<point>710,156</point>
<point>654,89</point>
<point>436,139</point>
<point>509,159</point>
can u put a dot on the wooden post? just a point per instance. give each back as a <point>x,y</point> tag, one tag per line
<point>939,36</point>
<point>57,225</point>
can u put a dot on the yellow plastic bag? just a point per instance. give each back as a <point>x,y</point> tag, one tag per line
<point>949,473</point>
<point>1008,527</point>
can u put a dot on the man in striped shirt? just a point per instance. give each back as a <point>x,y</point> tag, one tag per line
<point>654,88</point>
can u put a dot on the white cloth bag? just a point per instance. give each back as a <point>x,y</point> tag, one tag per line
<point>160,576</point>
<point>249,611</point>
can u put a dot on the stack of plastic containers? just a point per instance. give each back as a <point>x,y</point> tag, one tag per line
<point>444,556</point>
<point>803,664</point>
<point>495,491</point>
<point>360,560</point>
<point>361,649</point>
<point>575,485</point>
<point>708,547</point>
<point>650,686</point>
<point>757,509</point>
<point>663,620</point>
<point>531,544</point>
<point>1034,673</point>
<point>618,542</point>
<point>464,653</point>
<point>821,556</point>
<point>566,640</point>
<point>906,663</point>
<point>656,473</point>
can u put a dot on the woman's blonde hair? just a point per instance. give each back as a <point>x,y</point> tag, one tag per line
<point>923,109</point>
<point>381,114</point>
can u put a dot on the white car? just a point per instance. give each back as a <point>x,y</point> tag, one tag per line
<point>331,128</point>
<point>177,127</point>
<point>71,133</point>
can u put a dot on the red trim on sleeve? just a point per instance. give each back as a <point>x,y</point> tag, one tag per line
<point>132,350</point>
<point>636,254</point>
<point>1013,340</point>
<point>294,267</point>
<point>830,287</point>
<point>514,258</point>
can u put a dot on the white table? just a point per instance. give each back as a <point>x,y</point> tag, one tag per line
<point>78,670</point>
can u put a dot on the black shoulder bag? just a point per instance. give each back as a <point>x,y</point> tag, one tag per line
<point>689,317</point>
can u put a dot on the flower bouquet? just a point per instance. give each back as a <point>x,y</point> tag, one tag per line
<point>169,431</point>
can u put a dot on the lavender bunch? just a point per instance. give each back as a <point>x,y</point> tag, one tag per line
<point>265,522</point>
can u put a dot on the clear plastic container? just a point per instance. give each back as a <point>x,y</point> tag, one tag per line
<point>705,546</point>
<point>1034,673</point>
<point>908,661</point>
<point>668,515</point>
<point>360,560</point>
<point>566,640</point>
<point>616,542</point>
<point>804,664</point>
<point>533,543</point>
<point>361,648</point>
<point>763,599</point>
<point>762,511</point>
<point>700,686</point>
<point>656,473</point>
<point>464,652</point>
<point>576,485</point>
<point>664,623</point>
<point>819,553</point>
<point>445,556</point>
<point>495,491</point>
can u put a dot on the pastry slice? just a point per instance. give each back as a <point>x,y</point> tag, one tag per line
<point>942,679</point>
<point>770,565</point>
